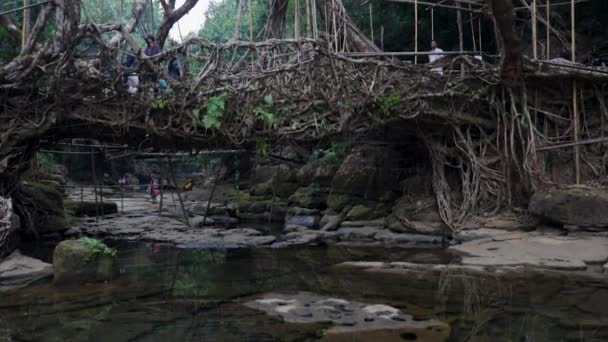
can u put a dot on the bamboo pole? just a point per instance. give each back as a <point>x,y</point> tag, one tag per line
<point>250,22</point>
<point>534,33</point>
<point>573,27</point>
<point>315,27</point>
<point>415,30</point>
<point>575,119</point>
<point>217,177</point>
<point>432,23</point>
<point>27,20</point>
<point>308,19</point>
<point>160,205</point>
<point>382,37</point>
<point>179,195</point>
<point>371,20</point>
<point>479,29</point>
<point>297,20</point>
<point>94,184</point>
<point>472,30</point>
<point>460,34</point>
<point>548,14</point>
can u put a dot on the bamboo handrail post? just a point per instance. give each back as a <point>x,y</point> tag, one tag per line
<point>179,195</point>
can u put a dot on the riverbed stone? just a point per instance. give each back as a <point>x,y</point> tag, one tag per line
<point>378,223</point>
<point>309,221</point>
<point>360,213</point>
<point>297,238</point>
<point>576,206</point>
<point>389,237</point>
<point>528,249</point>
<point>75,262</point>
<point>18,270</point>
<point>330,222</point>
<point>416,227</point>
<point>309,197</point>
<point>355,234</point>
<point>351,321</point>
<point>338,202</point>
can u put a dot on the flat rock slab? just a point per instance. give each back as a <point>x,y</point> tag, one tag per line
<point>18,270</point>
<point>351,321</point>
<point>557,252</point>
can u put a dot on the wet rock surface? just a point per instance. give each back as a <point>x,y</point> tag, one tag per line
<point>535,250</point>
<point>351,321</point>
<point>18,270</point>
<point>75,262</point>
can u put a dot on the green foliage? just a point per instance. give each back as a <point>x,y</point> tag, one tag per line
<point>214,110</point>
<point>160,103</point>
<point>220,20</point>
<point>98,247</point>
<point>264,112</point>
<point>334,153</point>
<point>388,104</point>
<point>262,147</point>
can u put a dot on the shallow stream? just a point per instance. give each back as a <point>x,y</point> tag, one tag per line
<point>165,293</point>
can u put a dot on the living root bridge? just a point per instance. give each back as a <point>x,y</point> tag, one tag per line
<point>243,94</point>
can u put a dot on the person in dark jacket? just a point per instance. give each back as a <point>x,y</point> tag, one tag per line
<point>152,48</point>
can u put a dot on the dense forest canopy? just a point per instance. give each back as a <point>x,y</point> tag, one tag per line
<point>392,24</point>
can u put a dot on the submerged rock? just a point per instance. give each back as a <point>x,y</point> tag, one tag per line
<point>351,321</point>
<point>574,206</point>
<point>77,262</point>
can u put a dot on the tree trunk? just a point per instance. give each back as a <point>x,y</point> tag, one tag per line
<point>357,40</point>
<point>512,63</point>
<point>275,25</point>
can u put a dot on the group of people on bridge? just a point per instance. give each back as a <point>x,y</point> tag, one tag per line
<point>152,49</point>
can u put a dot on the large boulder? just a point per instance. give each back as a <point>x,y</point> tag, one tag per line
<point>416,215</point>
<point>309,197</point>
<point>576,206</point>
<point>82,261</point>
<point>265,173</point>
<point>318,171</point>
<point>367,172</point>
<point>45,207</point>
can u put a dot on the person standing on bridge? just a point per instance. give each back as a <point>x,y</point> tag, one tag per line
<point>435,56</point>
<point>152,49</point>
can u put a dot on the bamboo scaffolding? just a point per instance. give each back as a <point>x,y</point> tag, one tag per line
<point>534,34</point>
<point>548,30</point>
<point>416,31</point>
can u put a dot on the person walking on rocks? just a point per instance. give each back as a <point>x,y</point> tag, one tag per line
<point>153,187</point>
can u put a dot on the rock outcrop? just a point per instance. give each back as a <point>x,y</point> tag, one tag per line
<point>574,206</point>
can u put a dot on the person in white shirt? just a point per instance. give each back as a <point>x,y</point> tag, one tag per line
<point>435,56</point>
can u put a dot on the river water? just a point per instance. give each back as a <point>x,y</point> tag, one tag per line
<point>164,293</point>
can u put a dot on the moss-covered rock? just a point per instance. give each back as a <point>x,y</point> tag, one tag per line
<point>81,261</point>
<point>360,213</point>
<point>318,171</point>
<point>274,188</point>
<point>367,172</point>
<point>338,202</point>
<point>310,198</point>
<point>42,206</point>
